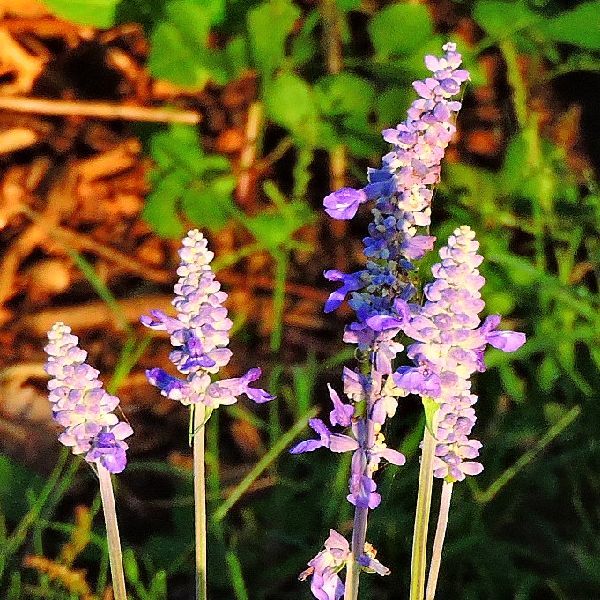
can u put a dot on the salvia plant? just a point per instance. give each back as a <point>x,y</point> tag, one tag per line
<point>437,322</point>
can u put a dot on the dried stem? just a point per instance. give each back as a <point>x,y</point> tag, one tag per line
<point>96,110</point>
<point>419,548</point>
<point>438,542</point>
<point>198,416</point>
<point>112,533</point>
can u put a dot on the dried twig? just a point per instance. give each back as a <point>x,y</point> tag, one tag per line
<point>96,110</point>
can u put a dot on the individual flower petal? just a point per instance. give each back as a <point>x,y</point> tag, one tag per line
<point>344,203</point>
<point>341,413</point>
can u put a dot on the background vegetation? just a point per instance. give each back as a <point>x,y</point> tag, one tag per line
<point>290,98</point>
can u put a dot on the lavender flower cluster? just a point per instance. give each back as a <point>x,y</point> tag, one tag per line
<point>449,340</point>
<point>449,348</point>
<point>402,192</point>
<point>81,405</point>
<point>199,335</point>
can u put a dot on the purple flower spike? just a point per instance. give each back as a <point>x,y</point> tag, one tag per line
<point>199,335</point>
<point>81,405</point>
<point>449,349</point>
<point>344,203</point>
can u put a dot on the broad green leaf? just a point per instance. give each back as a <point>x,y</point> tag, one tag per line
<point>290,102</point>
<point>499,18</point>
<point>269,25</point>
<point>346,5</point>
<point>99,13</point>
<point>189,181</point>
<point>179,50</point>
<point>392,104</point>
<point>274,229</point>
<point>344,94</point>
<point>205,207</point>
<point>238,55</point>
<point>400,29</point>
<point>161,207</point>
<point>304,44</point>
<point>580,26</point>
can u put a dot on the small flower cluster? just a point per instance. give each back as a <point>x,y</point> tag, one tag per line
<point>199,335</point>
<point>449,348</point>
<point>81,405</point>
<point>403,194</point>
<point>323,569</point>
<point>366,440</point>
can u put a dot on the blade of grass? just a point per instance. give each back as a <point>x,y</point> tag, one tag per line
<point>282,443</point>
<point>101,289</point>
<point>17,538</point>
<point>496,486</point>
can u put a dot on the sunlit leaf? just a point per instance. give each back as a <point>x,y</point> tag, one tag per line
<point>99,13</point>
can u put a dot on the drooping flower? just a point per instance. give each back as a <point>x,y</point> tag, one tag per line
<point>325,567</point>
<point>81,405</point>
<point>448,349</point>
<point>199,335</point>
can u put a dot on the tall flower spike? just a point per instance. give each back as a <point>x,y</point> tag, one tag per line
<point>402,190</point>
<point>81,405</point>
<point>449,348</point>
<point>199,335</point>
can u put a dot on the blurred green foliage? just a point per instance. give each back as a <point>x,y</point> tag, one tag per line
<point>528,527</point>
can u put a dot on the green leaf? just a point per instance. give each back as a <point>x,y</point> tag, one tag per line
<point>344,94</point>
<point>290,102</point>
<point>431,407</point>
<point>391,105</point>
<point>580,26</point>
<point>206,207</point>
<point>158,586</point>
<point>275,229</point>
<point>185,179</point>
<point>160,210</point>
<point>304,44</point>
<point>547,374</point>
<point>400,29</point>
<point>130,566</point>
<point>179,50</point>
<point>499,18</point>
<point>99,13</point>
<point>269,25</point>
<point>347,5</point>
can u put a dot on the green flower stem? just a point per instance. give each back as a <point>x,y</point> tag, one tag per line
<point>438,542</point>
<point>112,533</point>
<point>359,534</point>
<point>199,417</point>
<point>419,548</point>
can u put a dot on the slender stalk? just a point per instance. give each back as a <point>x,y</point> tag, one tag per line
<point>112,534</point>
<point>359,535</point>
<point>199,415</point>
<point>419,548</point>
<point>438,542</point>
